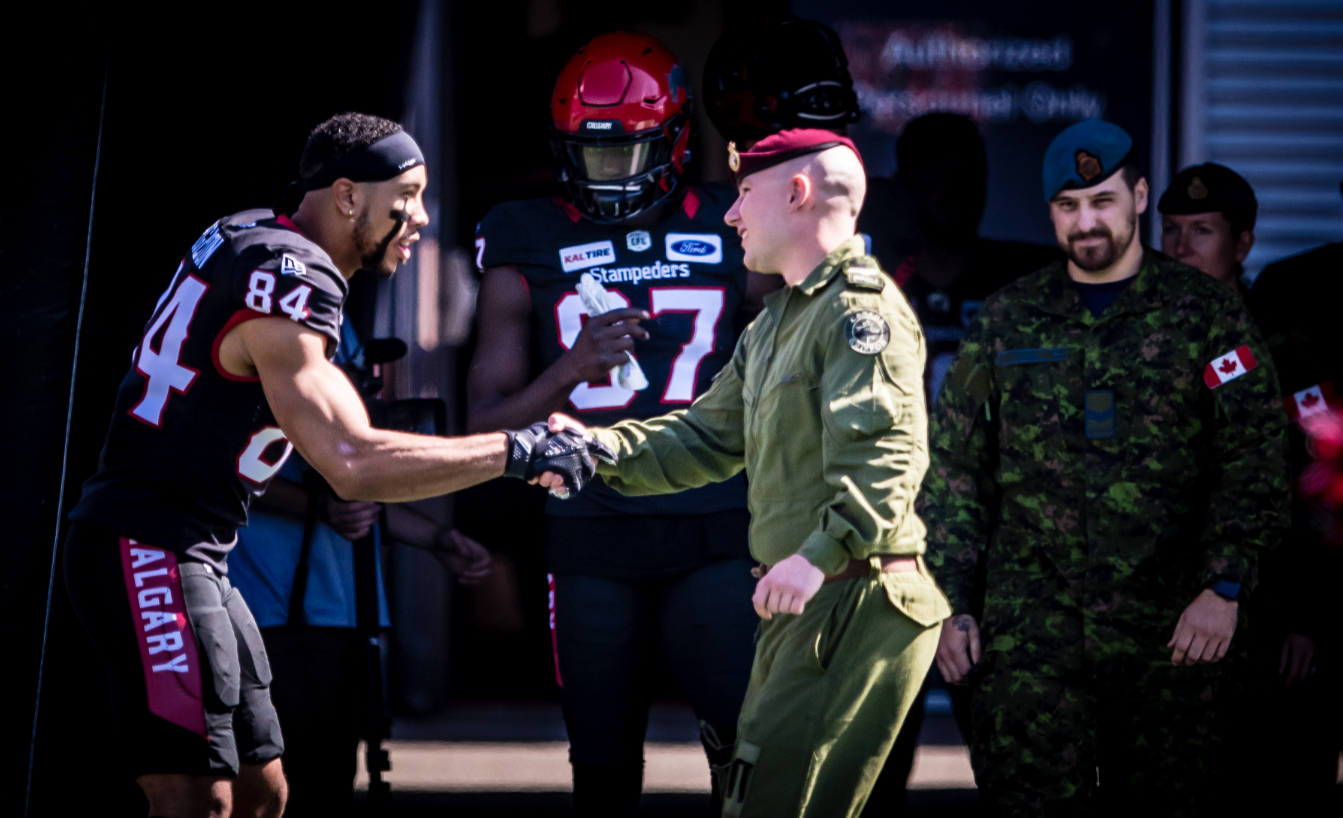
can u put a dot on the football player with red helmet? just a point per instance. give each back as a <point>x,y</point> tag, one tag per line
<point>768,76</point>
<point>676,294</point>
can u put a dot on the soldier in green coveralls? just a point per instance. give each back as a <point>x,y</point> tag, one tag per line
<point>823,405</point>
<point>1111,438</point>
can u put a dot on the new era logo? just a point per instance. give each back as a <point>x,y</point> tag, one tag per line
<point>290,266</point>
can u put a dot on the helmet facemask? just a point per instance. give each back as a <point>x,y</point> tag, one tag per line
<point>613,177</point>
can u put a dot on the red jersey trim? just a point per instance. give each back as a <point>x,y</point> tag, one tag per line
<point>690,203</point>
<point>285,221</point>
<point>554,638</point>
<point>572,212</point>
<point>905,271</point>
<point>239,317</point>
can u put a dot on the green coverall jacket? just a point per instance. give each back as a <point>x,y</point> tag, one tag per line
<point>822,404</point>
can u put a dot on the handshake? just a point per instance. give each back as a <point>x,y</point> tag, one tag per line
<point>558,455</point>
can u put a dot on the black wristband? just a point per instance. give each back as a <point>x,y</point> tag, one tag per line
<point>521,448</point>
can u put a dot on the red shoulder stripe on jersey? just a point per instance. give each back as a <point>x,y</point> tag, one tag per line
<point>905,271</point>
<point>285,221</point>
<point>569,210</point>
<point>691,203</point>
<point>239,317</point>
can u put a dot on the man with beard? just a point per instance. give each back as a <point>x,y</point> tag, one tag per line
<point>233,366</point>
<point>1110,441</point>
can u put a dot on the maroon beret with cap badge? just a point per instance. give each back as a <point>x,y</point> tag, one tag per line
<point>782,146</point>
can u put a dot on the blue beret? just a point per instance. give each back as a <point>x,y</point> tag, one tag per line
<point>1084,155</point>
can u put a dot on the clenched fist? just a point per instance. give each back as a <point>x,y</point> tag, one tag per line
<point>787,587</point>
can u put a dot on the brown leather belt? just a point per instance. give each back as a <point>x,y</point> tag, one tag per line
<point>857,569</point>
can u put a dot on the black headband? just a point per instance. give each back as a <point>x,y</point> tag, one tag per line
<point>385,159</point>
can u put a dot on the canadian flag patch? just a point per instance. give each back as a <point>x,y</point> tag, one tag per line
<point>1229,366</point>
<point>1310,402</point>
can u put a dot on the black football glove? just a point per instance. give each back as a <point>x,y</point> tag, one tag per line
<point>536,450</point>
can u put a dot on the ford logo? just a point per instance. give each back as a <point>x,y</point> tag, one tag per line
<point>690,247</point>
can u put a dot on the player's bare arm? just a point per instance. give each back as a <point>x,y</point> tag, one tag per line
<point>321,413</point>
<point>499,394</point>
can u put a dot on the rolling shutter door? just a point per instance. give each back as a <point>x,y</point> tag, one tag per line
<point>1267,101</point>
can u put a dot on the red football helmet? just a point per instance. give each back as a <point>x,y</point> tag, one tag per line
<point>622,126</point>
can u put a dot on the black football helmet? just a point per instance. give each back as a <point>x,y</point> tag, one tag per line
<point>779,74</point>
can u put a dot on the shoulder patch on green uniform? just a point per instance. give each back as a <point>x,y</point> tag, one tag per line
<point>971,377</point>
<point>867,332</point>
<point>864,273</point>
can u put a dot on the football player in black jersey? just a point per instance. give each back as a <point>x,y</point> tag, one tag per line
<point>765,76</point>
<point>661,250</point>
<point>232,374</point>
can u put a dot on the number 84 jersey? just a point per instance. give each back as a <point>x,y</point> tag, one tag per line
<point>190,444</point>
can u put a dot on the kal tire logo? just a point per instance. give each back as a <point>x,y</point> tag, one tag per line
<point>583,256</point>
<point>638,241</point>
<point>704,248</point>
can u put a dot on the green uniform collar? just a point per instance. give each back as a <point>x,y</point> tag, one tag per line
<point>831,264</point>
<point>1060,297</point>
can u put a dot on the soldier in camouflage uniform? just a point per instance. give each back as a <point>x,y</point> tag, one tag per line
<point>1111,437</point>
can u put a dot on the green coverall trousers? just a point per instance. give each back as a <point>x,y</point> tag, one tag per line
<point>829,690</point>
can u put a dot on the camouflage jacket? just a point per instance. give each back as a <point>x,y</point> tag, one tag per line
<point>1093,461</point>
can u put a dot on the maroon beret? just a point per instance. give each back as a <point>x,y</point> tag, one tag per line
<point>782,146</point>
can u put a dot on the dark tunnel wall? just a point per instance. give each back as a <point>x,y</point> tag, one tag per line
<point>206,113</point>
